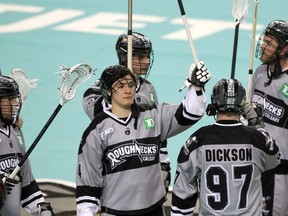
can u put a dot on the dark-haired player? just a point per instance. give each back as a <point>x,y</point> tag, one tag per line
<point>118,169</point>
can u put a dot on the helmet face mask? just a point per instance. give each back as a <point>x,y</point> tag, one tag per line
<point>277,30</point>
<point>228,95</point>
<point>141,48</point>
<point>10,101</point>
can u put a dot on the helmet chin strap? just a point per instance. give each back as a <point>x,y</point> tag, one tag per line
<point>273,74</point>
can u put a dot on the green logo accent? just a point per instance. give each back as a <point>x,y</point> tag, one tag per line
<point>149,123</point>
<point>284,90</point>
<point>20,141</point>
<point>152,100</point>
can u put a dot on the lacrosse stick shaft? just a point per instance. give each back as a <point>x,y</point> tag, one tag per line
<point>189,36</point>
<point>129,36</point>
<point>239,13</point>
<point>187,29</point>
<point>72,78</point>
<point>31,148</point>
<point>235,46</point>
<point>252,49</point>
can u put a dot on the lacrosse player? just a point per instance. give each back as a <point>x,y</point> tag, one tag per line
<point>118,158</point>
<point>142,61</point>
<point>23,189</point>
<point>270,94</point>
<point>224,160</point>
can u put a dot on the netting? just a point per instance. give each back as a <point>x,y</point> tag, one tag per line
<point>24,83</point>
<point>72,78</point>
<point>240,10</point>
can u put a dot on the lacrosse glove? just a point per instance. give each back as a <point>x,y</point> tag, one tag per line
<point>166,174</point>
<point>252,114</point>
<point>9,182</point>
<point>198,75</point>
<point>45,209</point>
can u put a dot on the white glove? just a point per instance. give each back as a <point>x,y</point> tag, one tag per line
<point>198,75</point>
<point>252,114</point>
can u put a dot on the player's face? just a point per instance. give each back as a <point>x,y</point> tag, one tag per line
<point>140,64</point>
<point>123,92</point>
<point>269,47</point>
<point>9,107</point>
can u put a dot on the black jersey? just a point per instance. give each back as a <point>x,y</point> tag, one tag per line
<point>225,160</point>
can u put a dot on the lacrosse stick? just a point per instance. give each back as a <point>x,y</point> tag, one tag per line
<point>72,78</point>
<point>239,13</point>
<point>24,83</point>
<point>189,36</point>
<point>129,36</point>
<point>252,48</point>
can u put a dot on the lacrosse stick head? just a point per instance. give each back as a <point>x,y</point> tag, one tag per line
<point>72,78</point>
<point>24,83</point>
<point>240,10</point>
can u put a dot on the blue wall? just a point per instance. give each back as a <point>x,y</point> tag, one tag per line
<point>37,36</point>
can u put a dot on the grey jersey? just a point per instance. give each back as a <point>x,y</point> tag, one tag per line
<point>145,97</point>
<point>226,161</point>
<point>27,192</point>
<point>273,100</point>
<point>118,160</point>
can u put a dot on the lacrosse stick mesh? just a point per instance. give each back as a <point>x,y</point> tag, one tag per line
<point>240,10</point>
<point>72,78</point>
<point>24,83</point>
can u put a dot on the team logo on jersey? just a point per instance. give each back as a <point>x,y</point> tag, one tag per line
<point>127,131</point>
<point>271,110</point>
<point>106,132</point>
<point>149,123</point>
<point>138,98</point>
<point>8,163</point>
<point>144,152</point>
<point>284,90</point>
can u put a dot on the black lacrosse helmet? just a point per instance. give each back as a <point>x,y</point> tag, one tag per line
<point>228,95</point>
<point>110,75</point>
<point>277,29</point>
<point>141,45</point>
<point>9,89</point>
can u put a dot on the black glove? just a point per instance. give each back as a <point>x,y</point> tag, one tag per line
<point>198,75</point>
<point>166,174</point>
<point>252,114</point>
<point>45,209</point>
<point>9,182</point>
